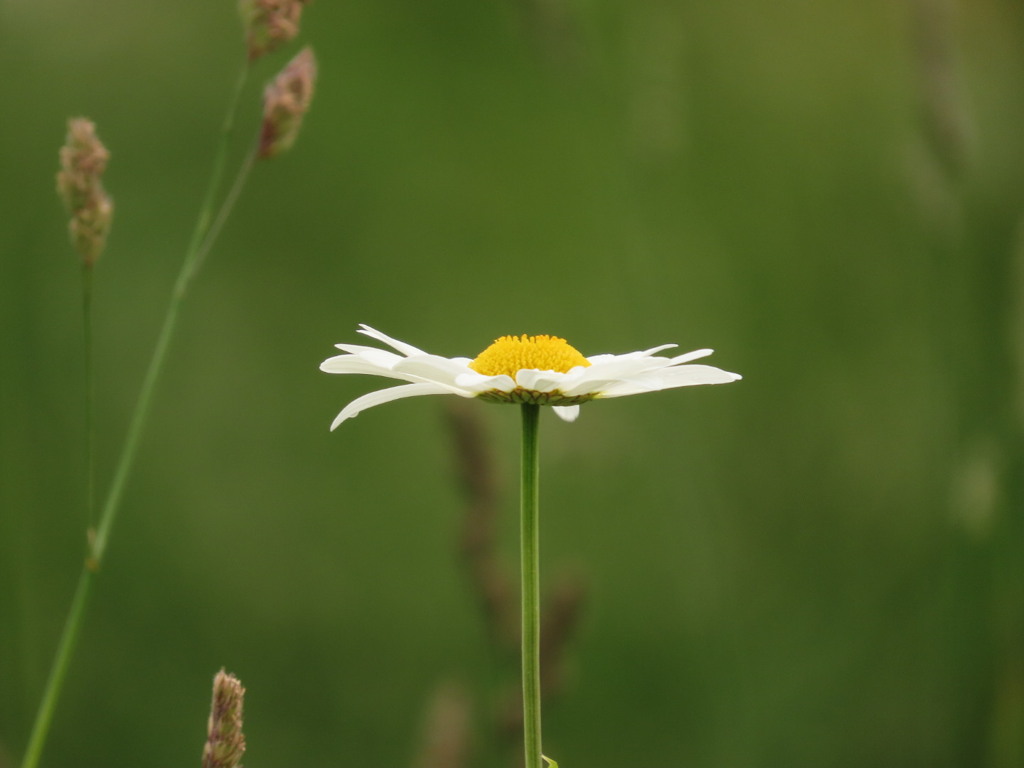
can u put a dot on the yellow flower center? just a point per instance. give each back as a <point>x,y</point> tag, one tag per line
<point>510,354</point>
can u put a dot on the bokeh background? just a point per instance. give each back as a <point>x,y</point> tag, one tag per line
<point>820,565</point>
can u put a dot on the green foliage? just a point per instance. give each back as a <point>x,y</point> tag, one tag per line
<point>819,565</point>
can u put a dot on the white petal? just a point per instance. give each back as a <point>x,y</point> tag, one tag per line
<point>670,378</point>
<point>610,373</point>
<point>659,348</point>
<point>540,381</point>
<point>382,357</point>
<point>594,359</point>
<point>401,346</point>
<point>419,369</point>
<point>477,382</point>
<point>690,375</point>
<point>598,378</point>
<point>382,396</point>
<point>623,364</point>
<point>697,354</point>
<point>374,361</point>
<point>566,412</point>
<point>431,368</point>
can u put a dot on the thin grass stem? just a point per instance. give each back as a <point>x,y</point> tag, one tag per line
<point>206,211</point>
<point>61,662</point>
<point>226,207</point>
<point>100,538</point>
<point>156,362</point>
<point>90,397</point>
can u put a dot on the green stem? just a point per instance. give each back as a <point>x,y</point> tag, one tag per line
<point>163,342</point>
<point>90,400</point>
<point>206,210</point>
<point>73,622</point>
<point>99,539</point>
<point>530,565</point>
<point>226,207</point>
<point>54,684</point>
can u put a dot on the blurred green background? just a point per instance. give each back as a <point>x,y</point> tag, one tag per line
<point>820,565</point>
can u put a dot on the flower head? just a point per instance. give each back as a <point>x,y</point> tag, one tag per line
<point>225,742</point>
<point>269,24</point>
<point>83,159</point>
<point>544,370</point>
<point>286,101</point>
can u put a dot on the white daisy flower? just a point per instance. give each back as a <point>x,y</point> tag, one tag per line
<point>542,370</point>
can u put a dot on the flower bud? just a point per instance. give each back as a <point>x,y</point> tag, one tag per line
<point>82,162</point>
<point>269,24</point>
<point>285,101</point>
<point>225,742</point>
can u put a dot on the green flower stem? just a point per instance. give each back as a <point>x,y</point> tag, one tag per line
<point>99,537</point>
<point>530,565</point>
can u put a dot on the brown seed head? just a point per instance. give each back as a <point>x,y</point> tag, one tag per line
<point>269,24</point>
<point>225,742</point>
<point>83,159</point>
<point>285,102</point>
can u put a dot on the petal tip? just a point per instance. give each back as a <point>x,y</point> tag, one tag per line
<point>568,413</point>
